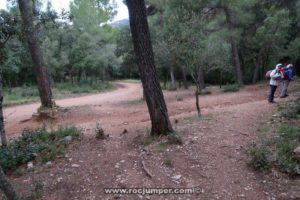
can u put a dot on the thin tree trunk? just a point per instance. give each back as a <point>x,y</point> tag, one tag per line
<point>79,75</point>
<point>7,187</point>
<point>197,101</point>
<point>256,72</point>
<point>200,77</point>
<point>142,45</point>
<point>173,80</point>
<point>221,79</point>
<point>36,54</point>
<point>2,129</point>
<point>184,79</point>
<point>234,50</point>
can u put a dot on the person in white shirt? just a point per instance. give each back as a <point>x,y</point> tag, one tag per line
<point>275,78</point>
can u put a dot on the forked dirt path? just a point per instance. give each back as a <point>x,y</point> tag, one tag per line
<point>212,157</point>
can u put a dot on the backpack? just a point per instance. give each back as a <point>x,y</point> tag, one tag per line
<point>268,74</point>
<point>284,71</point>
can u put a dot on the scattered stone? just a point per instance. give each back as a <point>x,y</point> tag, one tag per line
<point>124,131</point>
<point>30,166</point>
<point>48,164</point>
<point>59,179</point>
<point>297,153</point>
<point>75,165</point>
<point>177,177</point>
<point>68,138</point>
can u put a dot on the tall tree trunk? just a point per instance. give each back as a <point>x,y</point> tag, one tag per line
<point>143,49</point>
<point>2,129</point>
<point>184,79</point>
<point>7,187</point>
<point>200,77</point>
<point>256,71</point>
<point>234,49</point>
<point>36,54</point>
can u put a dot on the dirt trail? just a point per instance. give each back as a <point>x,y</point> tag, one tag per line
<point>115,110</point>
<point>212,157</point>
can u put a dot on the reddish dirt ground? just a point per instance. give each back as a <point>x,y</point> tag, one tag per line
<point>213,155</point>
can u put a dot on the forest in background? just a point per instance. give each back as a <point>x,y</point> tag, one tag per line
<point>213,42</point>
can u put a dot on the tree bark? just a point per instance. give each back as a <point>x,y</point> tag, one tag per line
<point>256,72</point>
<point>184,79</point>
<point>7,187</point>
<point>234,49</point>
<point>36,54</point>
<point>143,49</point>
<point>2,128</point>
<point>200,77</point>
<point>197,101</point>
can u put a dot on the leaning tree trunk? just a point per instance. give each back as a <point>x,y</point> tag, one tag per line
<point>143,49</point>
<point>7,187</point>
<point>2,129</point>
<point>36,54</point>
<point>234,50</point>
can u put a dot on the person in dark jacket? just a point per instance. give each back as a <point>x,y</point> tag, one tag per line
<point>286,81</point>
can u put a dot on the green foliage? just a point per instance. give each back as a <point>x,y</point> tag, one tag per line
<point>277,150</point>
<point>285,157</point>
<point>99,132</point>
<point>20,95</point>
<point>291,110</point>
<point>36,144</point>
<point>231,88</point>
<point>162,146</point>
<point>26,94</point>
<point>259,160</point>
<point>168,163</point>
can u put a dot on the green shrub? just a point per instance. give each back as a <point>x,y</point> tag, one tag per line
<point>290,111</point>
<point>289,132</point>
<point>204,92</point>
<point>36,144</point>
<point>285,159</point>
<point>231,88</point>
<point>259,158</point>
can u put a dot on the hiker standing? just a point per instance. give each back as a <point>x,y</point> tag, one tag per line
<point>288,74</point>
<point>275,77</point>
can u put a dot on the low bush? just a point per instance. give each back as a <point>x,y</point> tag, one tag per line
<point>36,144</point>
<point>231,88</point>
<point>278,151</point>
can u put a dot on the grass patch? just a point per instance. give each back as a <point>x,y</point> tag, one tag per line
<point>26,94</point>
<point>148,140</point>
<point>277,150</point>
<point>168,163</point>
<point>259,159</point>
<point>291,110</point>
<point>204,92</point>
<point>231,88</point>
<point>36,144</point>
<point>162,146</point>
<point>81,88</point>
<point>178,98</point>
